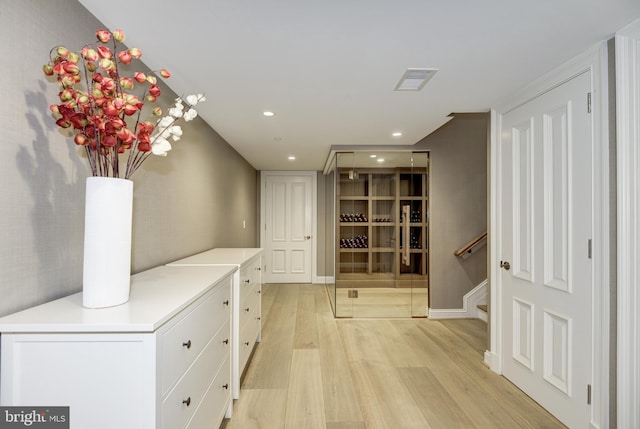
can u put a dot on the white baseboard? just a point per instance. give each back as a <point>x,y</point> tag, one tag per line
<point>492,361</point>
<point>455,313</point>
<point>487,358</point>
<point>470,302</point>
<point>323,280</point>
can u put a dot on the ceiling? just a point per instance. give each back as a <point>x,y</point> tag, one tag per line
<point>328,68</point>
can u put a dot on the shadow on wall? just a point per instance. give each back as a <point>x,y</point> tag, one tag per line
<point>57,215</point>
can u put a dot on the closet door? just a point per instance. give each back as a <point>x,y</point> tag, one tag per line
<point>287,228</point>
<point>547,265</point>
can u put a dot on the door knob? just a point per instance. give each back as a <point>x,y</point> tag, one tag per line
<point>505,265</point>
<point>307,237</point>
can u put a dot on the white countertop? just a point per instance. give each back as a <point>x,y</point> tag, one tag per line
<point>220,256</point>
<point>156,296</point>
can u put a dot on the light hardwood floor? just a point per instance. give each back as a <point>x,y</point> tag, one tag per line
<point>313,371</point>
<point>382,302</point>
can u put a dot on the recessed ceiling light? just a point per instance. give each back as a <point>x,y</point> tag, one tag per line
<point>373,156</point>
<point>291,158</point>
<point>267,113</point>
<point>380,160</point>
<point>397,134</point>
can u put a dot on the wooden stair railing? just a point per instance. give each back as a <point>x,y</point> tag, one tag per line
<point>472,246</point>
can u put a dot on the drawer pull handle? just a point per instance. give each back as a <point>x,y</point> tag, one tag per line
<point>226,341</point>
<point>187,344</point>
<point>225,386</point>
<point>226,302</point>
<point>247,281</point>
<point>257,318</point>
<point>187,401</point>
<point>246,343</point>
<point>246,309</point>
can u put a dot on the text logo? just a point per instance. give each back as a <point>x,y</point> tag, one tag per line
<point>34,417</point>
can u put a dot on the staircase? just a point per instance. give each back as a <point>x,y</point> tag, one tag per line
<point>482,312</point>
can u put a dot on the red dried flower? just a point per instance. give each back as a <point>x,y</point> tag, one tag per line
<point>99,114</point>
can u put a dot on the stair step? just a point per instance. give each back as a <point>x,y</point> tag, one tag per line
<point>483,314</point>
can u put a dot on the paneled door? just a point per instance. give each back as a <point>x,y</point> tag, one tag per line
<point>546,178</point>
<point>287,227</point>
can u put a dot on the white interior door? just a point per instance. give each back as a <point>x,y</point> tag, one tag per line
<point>287,227</point>
<point>546,231</point>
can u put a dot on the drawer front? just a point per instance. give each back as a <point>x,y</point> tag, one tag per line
<point>248,305</point>
<point>254,270</point>
<point>186,397</point>
<point>250,276</point>
<point>213,407</point>
<point>248,337</point>
<point>246,285</point>
<point>184,341</point>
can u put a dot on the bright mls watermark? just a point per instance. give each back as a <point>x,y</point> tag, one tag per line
<point>34,417</point>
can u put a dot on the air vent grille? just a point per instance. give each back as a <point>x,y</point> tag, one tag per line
<point>414,79</point>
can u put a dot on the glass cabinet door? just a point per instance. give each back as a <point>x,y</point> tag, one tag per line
<point>381,234</point>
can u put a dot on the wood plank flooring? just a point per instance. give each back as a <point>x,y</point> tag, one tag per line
<point>382,302</point>
<point>313,371</point>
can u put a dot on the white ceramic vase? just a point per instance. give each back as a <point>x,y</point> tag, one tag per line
<point>106,275</point>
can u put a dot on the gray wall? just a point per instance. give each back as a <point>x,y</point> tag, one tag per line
<point>192,200</point>
<point>458,207</point>
<point>326,241</point>
<point>322,224</point>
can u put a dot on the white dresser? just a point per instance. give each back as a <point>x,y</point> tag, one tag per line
<point>247,288</point>
<point>162,360</point>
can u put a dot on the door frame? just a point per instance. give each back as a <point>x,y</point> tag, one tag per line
<point>628,198</point>
<point>595,61</point>
<point>314,211</point>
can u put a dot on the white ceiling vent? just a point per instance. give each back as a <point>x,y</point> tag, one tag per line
<point>414,79</point>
